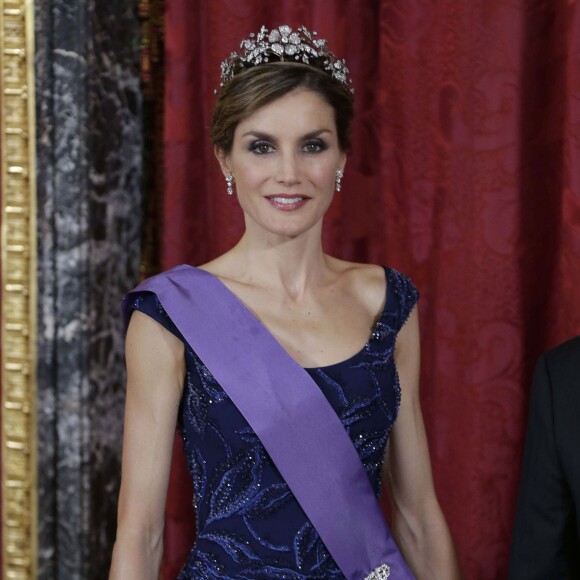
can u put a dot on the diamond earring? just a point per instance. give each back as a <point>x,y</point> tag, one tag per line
<point>230,184</point>
<point>339,176</point>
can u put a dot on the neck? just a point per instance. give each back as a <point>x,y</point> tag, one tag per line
<point>292,265</point>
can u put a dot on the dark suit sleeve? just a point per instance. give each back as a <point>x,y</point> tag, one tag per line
<point>544,513</point>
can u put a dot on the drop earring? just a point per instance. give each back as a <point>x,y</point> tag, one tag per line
<point>230,184</point>
<point>339,176</point>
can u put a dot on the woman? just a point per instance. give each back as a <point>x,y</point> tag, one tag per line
<point>258,419</point>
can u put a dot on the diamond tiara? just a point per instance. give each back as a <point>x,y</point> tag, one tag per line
<point>283,44</point>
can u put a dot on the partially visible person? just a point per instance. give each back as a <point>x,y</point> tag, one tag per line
<point>546,536</point>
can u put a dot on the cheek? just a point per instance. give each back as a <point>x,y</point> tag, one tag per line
<point>325,174</point>
<point>251,174</point>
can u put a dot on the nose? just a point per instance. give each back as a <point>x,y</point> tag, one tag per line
<point>288,170</point>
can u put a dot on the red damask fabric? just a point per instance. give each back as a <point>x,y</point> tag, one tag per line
<point>464,174</point>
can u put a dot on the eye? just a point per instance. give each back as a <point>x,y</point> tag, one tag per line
<point>261,147</point>
<point>314,146</point>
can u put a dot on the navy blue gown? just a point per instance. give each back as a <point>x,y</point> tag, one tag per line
<point>249,525</point>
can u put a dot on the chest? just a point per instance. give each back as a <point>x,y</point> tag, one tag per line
<point>363,391</point>
<point>318,331</point>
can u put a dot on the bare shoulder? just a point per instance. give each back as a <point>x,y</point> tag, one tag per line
<point>213,266</point>
<point>366,282</point>
<point>365,277</point>
<point>222,266</point>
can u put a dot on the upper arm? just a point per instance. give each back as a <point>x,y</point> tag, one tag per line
<point>408,465</point>
<point>155,371</point>
<point>418,522</point>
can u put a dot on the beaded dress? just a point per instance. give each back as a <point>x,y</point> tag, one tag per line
<point>249,525</point>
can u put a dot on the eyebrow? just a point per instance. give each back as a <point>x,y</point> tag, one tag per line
<point>267,137</point>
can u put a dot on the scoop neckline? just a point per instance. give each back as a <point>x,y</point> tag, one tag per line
<point>387,293</point>
<point>366,344</point>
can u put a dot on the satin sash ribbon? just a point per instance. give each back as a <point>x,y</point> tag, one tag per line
<point>294,421</point>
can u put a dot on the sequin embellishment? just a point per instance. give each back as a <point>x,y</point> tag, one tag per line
<point>380,573</point>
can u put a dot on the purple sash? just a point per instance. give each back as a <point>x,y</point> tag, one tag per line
<point>288,412</point>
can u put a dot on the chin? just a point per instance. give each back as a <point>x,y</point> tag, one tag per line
<point>283,225</point>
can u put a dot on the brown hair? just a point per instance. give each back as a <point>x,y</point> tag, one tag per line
<point>258,86</point>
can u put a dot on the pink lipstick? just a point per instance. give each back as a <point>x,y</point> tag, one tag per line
<point>287,202</point>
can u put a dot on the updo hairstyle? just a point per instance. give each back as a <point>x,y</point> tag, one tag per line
<point>258,86</point>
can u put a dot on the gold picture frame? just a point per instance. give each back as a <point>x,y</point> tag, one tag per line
<point>19,290</point>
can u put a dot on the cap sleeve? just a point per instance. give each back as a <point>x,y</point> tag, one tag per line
<point>404,293</point>
<point>148,303</point>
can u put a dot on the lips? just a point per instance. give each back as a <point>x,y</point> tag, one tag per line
<point>287,202</point>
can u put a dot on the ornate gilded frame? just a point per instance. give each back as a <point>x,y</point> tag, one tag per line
<point>18,255</point>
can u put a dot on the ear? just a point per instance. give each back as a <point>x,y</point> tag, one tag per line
<point>223,160</point>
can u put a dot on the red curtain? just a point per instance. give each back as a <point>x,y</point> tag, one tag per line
<point>464,174</point>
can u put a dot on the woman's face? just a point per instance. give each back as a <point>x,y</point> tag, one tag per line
<point>284,160</point>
